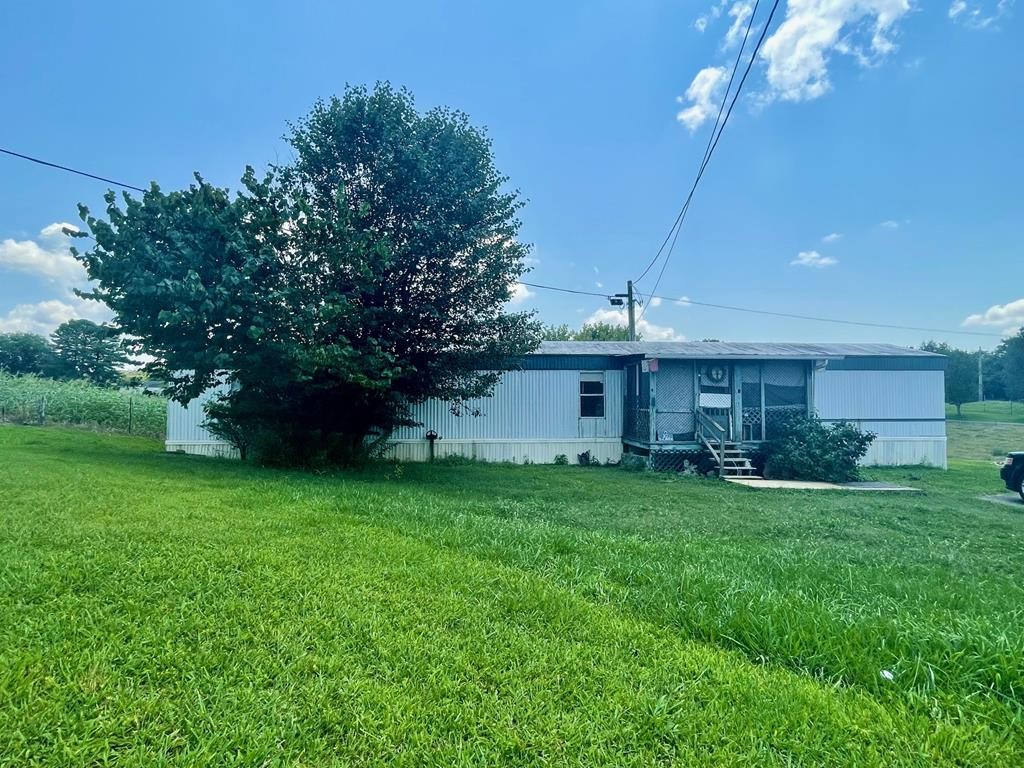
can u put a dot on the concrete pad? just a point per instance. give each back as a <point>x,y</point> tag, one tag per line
<point>1009,499</point>
<point>809,485</point>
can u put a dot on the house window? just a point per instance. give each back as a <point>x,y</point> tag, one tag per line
<point>592,395</point>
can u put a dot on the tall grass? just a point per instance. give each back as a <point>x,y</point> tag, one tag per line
<point>35,400</point>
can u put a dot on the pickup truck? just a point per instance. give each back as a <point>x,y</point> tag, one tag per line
<point>1012,472</point>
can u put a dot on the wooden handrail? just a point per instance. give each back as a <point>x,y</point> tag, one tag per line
<point>705,422</point>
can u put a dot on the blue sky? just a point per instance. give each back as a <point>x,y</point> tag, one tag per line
<point>893,125</point>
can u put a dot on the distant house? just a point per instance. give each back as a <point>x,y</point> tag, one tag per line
<point>665,400</point>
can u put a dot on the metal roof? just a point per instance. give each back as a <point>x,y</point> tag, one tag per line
<point>727,350</point>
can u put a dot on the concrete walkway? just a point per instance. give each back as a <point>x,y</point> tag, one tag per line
<point>1009,499</point>
<point>808,485</point>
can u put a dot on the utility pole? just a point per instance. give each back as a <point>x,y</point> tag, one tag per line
<point>616,301</point>
<point>632,310</point>
<point>981,381</point>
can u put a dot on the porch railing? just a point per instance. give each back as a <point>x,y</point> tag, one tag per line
<point>711,433</point>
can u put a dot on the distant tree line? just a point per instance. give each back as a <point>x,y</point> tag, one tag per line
<point>1002,371</point>
<point>77,350</point>
<point>588,332</point>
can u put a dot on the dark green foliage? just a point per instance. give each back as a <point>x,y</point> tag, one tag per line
<point>961,373</point>
<point>1011,356</point>
<point>370,274</point>
<point>25,353</point>
<point>588,332</point>
<point>804,448</point>
<point>85,350</point>
<point>561,460</point>
<point>631,462</point>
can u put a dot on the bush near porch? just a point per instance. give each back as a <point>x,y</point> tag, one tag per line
<point>805,448</point>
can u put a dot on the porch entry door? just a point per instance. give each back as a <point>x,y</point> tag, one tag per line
<point>716,395</point>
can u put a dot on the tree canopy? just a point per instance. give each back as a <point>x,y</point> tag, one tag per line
<point>83,349</point>
<point>599,331</point>
<point>961,373</point>
<point>25,353</point>
<point>371,273</point>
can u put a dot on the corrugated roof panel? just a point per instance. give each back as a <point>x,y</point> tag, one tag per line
<point>725,349</point>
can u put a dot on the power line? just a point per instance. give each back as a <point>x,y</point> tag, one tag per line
<point>71,170</point>
<point>790,315</point>
<point>735,98</point>
<point>707,150</point>
<point>606,295</point>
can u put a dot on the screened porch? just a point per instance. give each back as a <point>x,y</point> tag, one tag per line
<point>667,401</point>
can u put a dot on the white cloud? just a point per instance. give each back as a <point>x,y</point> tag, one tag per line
<point>654,302</point>
<point>713,13</point>
<point>520,293</point>
<point>648,330</point>
<point>47,257</point>
<point>797,54</point>
<point>979,15</point>
<point>890,224</point>
<point>599,284</point>
<point>44,316</point>
<point>701,95</point>
<point>1009,317</point>
<point>813,259</point>
<point>740,13</point>
<point>831,238</point>
<point>684,301</point>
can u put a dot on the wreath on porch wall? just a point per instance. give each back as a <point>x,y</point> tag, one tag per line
<point>716,373</point>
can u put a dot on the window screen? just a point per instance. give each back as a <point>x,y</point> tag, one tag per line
<point>592,395</point>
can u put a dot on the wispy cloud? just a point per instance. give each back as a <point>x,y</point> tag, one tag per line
<point>700,96</point>
<point>979,15</point>
<point>832,237</point>
<point>890,224</point>
<point>814,260</point>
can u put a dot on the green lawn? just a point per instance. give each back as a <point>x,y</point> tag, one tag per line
<point>159,609</point>
<point>983,440</point>
<point>990,410</point>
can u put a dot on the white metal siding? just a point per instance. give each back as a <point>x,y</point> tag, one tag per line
<point>526,405</point>
<point>517,451</point>
<point>905,409</point>
<point>875,395</point>
<point>184,422</point>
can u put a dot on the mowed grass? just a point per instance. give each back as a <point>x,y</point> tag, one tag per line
<point>158,609</point>
<point>989,410</point>
<point>983,441</point>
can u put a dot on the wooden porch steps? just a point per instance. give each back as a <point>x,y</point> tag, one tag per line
<point>733,461</point>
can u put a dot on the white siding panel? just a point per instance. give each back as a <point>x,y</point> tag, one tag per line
<point>867,395</point>
<point>893,452</point>
<point>184,422</point>
<point>526,405</point>
<point>516,451</point>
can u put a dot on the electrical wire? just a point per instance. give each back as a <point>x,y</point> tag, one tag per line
<point>790,315</point>
<point>48,164</point>
<point>709,148</point>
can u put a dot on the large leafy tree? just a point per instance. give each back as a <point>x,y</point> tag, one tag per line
<point>1011,355</point>
<point>83,349</point>
<point>961,373</point>
<point>369,274</point>
<point>22,353</point>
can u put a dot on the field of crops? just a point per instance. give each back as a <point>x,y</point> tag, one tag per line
<point>34,400</point>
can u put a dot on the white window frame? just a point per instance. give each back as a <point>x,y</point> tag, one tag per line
<point>590,376</point>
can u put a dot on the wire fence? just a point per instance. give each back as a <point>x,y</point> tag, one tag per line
<point>35,400</point>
